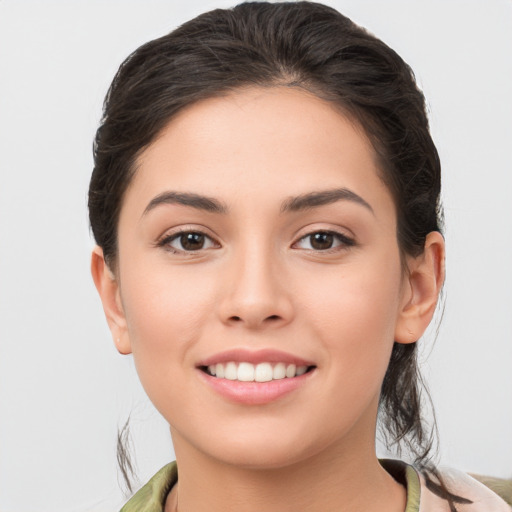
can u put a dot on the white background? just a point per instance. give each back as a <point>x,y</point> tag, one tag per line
<point>64,389</point>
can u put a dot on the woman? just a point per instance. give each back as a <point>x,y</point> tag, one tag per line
<point>265,200</point>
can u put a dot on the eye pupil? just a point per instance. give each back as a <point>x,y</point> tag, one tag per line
<point>192,241</point>
<point>322,241</point>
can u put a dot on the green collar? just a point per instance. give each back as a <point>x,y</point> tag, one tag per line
<point>151,497</point>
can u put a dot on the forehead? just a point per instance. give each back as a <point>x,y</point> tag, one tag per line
<point>274,141</point>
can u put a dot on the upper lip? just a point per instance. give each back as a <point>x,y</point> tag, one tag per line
<point>242,355</point>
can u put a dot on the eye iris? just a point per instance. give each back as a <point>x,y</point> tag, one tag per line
<point>192,241</point>
<point>322,241</point>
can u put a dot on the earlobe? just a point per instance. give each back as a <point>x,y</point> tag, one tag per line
<point>422,286</point>
<point>108,289</point>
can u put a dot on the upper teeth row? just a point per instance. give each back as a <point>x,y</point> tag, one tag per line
<point>262,372</point>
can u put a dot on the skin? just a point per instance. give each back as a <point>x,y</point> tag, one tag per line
<point>259,283</point>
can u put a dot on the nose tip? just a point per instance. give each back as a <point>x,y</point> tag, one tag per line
<point>255,297</point>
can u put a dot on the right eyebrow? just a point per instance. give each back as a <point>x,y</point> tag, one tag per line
<point>197,201</point>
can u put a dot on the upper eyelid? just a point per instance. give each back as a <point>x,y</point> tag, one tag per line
<point>173,232</point>
<point>331,231</point>
<point>346,240</point>
<point>169,237</point>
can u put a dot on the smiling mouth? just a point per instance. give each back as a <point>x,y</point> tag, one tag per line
<point>261,372</point>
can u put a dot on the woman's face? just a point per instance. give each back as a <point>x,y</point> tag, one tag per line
<point>257,239</point>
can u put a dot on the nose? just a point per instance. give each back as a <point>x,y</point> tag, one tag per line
<point>255,294</point>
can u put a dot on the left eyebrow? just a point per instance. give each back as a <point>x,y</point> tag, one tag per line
<point>321,198</point>
<point>197,201</point>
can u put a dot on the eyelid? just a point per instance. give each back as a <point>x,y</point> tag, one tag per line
<point>345,241</point>
<point>173,234</point>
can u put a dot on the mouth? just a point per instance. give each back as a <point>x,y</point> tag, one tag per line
<point>255,377</point>
<point>261,372</point>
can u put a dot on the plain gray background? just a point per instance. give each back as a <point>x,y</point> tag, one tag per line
<point>64,390</point>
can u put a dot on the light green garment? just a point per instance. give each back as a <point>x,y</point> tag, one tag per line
<point>151,497</point>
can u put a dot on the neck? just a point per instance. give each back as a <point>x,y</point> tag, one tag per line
<point>337,480</point>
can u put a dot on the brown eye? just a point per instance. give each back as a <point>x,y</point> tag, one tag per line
<point>321,241</point>
<point>324,240</point>
<point>188,241</point>
<point>192,241</point>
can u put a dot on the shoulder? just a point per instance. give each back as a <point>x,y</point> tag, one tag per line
<point>475,496</point>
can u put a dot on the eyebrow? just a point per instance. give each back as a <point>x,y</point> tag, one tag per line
<point>197,201</point>
<point>293,204</point>
<point>321,198</point>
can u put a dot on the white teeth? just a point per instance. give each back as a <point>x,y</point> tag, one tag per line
<point>279,371</point>
<point>301,370</point>
<point>290,370</point>
<point>245,372</point>
<point>219,370</point>
<point>262,372</point>
<point>230,371</point>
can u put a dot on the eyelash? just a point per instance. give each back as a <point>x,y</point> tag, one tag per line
<point>344,241</point>
<point>167,240</point>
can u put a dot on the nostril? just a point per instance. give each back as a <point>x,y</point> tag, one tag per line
<point>271,318</point>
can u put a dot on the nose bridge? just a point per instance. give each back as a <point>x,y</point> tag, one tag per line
<point>255,294</point>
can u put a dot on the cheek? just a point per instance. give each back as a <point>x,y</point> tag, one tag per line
<point>364,296</point>
<point>164,301</point>
<point>355,315</point>
<point>166,313</point>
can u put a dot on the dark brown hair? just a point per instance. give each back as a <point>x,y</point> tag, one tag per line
<point>300,44</point>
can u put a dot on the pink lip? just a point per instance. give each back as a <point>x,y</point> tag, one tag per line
<point>254,357</point>
<point>254,393</point>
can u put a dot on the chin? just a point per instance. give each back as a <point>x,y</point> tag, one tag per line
<point>264,450</point>
<point>255,458</point>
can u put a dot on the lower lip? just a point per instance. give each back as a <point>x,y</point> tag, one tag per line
<point>255,393</point>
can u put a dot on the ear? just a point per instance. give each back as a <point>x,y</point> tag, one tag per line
<point>422,286</point>
<point>108,288</point>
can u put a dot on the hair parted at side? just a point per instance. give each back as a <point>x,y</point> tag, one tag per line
<point>296,44</point>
